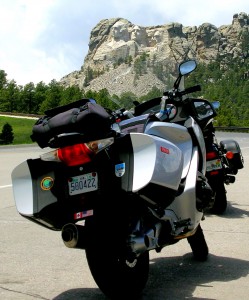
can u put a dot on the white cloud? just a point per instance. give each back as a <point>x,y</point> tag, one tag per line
<point>45,40</point>
<point>22,22</point>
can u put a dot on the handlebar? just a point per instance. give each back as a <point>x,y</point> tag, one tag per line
<point>192,89</point>
<point>175,93</point>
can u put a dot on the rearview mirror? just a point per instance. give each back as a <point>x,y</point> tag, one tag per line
<point>216,104</point>
<point>204,110</point>
<point>187,67</point>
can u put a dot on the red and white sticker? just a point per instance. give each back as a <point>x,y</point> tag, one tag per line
<point>164,150</point>
<point>83,214</point>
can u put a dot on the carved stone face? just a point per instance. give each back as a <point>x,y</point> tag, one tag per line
<point>136,33</point>
<point>139,35</point>
<point>157,36</point>
<point>120,31</point>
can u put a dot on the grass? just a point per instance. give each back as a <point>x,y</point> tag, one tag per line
<point>22,129</point>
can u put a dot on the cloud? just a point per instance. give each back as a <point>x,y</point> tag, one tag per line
<point>22,24</point>
<point>45,40</point>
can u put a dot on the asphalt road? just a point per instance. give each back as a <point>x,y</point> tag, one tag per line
<point>35,264</point>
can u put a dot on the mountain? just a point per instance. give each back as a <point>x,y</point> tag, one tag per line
<point>126,57</point>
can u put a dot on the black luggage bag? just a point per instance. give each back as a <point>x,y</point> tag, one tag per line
<point>83,117</point>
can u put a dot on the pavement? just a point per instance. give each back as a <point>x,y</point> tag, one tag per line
<point>35,264</point>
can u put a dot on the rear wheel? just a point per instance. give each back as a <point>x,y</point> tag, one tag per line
<point>220,202</point>
<point>117,276</point>
<point>117,272</point>
<point>198,245</point>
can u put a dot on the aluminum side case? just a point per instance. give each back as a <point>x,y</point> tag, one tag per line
<point>28,188</point>
<point>156,161</point>
<point>177,135</point>
<point>33,183</point>
<point>148,166</point>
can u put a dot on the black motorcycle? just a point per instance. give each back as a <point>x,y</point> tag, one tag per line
<point>224,159</point>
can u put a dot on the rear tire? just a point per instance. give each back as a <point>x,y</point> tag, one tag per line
<point>198,245</point>
<point>117,277</point>
<point>118,274</point>
<point>220,202</point>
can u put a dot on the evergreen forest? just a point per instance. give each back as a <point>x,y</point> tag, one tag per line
<point>227,83</point>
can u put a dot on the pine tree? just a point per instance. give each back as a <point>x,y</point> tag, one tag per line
<point>7,135</point>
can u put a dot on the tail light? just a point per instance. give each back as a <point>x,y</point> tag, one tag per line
<point>211,155</point>
<point>214,164</point>
<point>77,154</point>
<point>212,173</point>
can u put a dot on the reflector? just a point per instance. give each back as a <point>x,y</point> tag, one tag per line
<point>211,155</point>
<point>214,173</point>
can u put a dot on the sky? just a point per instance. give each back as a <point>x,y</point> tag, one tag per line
<point>48,39</point>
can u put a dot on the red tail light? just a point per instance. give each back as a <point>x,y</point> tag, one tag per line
<point>211,155</point>
<point>75,155</point>
<point>214,173</point>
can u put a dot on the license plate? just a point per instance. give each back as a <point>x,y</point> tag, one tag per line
<point>83,183</point>
<point>213,165</point>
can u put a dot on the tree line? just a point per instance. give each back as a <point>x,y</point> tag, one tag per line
<point>227,83</point>
<point>36,99</point>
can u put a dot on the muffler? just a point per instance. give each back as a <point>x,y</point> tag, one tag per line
<point>229,179</point>
<point>74,236</point>
<point>149,241</point>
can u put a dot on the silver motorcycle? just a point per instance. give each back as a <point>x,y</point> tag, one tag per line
<point>121,194</point>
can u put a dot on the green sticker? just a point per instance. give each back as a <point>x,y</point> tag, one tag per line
<point>47,183</point>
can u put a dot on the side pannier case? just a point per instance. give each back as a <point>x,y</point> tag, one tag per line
<point>237,161</point>
<point>33,187</point>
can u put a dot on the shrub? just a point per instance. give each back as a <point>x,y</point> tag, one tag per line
<point>7,135</point>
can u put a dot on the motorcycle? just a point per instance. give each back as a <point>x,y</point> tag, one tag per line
<point>120,185</point>
<point>224,159</point>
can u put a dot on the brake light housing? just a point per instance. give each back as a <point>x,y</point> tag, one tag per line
<point>77,154</point>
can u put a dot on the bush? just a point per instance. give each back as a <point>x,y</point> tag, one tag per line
<point>7,135</point>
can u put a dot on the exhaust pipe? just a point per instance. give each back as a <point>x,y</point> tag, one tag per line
<point>72,236</point>
<point>149,241</point>
<point>137,245</point>
<point>229,179</point>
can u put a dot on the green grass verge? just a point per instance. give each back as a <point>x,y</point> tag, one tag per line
<point>22,129</point>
